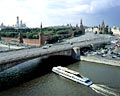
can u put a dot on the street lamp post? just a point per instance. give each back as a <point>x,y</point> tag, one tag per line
<point>9,45</point>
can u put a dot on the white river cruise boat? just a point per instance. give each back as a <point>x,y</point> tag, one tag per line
<point>73,75</point>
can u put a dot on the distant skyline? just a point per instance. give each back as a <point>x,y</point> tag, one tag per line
<point>60,12</point>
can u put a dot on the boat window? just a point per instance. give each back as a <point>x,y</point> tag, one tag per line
<point>78,75</point>
<point>87,81</point>
<point>59,68</point>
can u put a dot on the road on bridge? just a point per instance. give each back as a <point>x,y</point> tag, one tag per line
<point>28,54</point>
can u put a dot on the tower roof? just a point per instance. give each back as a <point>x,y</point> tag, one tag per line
<point>81,21</point>
<point>41,25</point>
<point>103,22</point>
<point>17,16</point>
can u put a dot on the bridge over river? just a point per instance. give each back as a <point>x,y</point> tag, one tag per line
<point>9,59</point>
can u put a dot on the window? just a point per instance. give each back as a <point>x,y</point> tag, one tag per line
<point>87,81</point>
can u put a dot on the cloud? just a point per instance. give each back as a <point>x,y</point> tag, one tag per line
<point>51,12</point>
<point>102,5</point>
<point>86,6</point>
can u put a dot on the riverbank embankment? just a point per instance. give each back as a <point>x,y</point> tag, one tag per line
<point>100,60</point>
<point>11,46</point>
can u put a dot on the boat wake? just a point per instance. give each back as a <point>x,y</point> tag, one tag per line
<point>105,90</point>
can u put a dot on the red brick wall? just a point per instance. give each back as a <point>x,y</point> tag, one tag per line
<point>9,39</point>
<point>28,41</point>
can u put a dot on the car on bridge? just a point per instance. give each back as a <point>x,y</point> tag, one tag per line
<point>46,46</point>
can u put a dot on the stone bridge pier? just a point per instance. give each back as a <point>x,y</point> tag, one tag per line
<point>76,53</point>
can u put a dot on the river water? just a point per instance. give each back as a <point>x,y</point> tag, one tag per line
<point>106,80</point>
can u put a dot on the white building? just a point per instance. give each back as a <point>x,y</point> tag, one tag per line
<point>20,24</point>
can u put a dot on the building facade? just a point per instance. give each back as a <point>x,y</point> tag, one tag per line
<point>20,24</point>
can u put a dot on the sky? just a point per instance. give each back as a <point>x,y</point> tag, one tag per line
<point>60,12</point>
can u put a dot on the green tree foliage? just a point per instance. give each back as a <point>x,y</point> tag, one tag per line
<point>58,32</point>
<point>62,32</point>
<point>9,34</point>
<point>54,39</point>
<point>78,33</point>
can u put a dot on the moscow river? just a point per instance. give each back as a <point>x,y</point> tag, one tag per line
<point>106,80</point>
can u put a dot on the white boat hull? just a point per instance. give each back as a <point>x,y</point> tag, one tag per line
<point>83,80</point>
